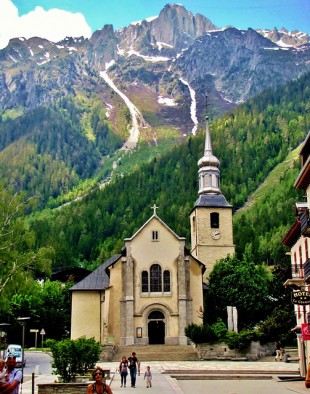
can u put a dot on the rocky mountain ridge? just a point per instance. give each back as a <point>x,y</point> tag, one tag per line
<point>230,64</point>
<point>171,61</point>
<point>285,38</point>
<point>140,86</point>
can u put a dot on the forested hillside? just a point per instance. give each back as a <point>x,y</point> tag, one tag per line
<point>49,150</point>
<point>250,142</point>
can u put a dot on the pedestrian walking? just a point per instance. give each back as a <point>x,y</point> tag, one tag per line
<point>279,351</point>
<point>123,370</point>
<point>134,365</point>
<point>148,377</point>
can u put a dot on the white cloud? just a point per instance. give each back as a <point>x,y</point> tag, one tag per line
<point>53,25</point>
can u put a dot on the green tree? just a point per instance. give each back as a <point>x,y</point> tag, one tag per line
<point>278,325</point>
<point>19,259</point>
<point>55,309</point>
<point>242,284</point>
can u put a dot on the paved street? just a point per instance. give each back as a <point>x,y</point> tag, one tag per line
<point>164,383</point>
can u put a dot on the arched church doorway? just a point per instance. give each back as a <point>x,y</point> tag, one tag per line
<point>156,328</point>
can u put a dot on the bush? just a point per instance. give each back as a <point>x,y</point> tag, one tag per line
<point>73,357</point>
<point>220,330</point>
<point>278,326</point>
<point>200,333</point>
<point>240,340</point>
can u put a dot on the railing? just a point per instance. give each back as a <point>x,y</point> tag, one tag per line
<point>299,273</point>
<point>307,270</point>
<point>305,223</point>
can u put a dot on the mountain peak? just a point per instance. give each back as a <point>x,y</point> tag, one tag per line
<point>174,30</point>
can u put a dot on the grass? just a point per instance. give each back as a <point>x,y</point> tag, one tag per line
<point>266,188</point>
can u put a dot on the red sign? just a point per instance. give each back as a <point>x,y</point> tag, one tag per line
<point>305,332</point>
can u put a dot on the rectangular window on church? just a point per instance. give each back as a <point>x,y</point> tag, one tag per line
<point>144,282</point>
<point>155,236</point>
<point>214,220</point>
<point>166,281</point>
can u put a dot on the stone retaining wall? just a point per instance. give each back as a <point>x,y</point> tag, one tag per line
<point>221,351</point>
<point>70,388</point>
<point>62,388</point>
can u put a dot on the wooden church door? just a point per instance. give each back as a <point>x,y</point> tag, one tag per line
<point>156,328</point>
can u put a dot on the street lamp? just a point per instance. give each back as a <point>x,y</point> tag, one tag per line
<point>23,320</point>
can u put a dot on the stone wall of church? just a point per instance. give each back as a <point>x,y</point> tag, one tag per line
<point>204,247</point>
<point>86,314</point>
<point>115,295</point>
<point>196,293</point>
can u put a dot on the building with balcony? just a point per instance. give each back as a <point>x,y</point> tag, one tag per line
<point>297,240</point>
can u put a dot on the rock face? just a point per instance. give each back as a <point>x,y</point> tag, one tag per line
<point>286,38</point>
<point>231,65</point>
<point>240,63</point>
<point>179,28</point>
<point>103,47</point>
<point>173,30</point>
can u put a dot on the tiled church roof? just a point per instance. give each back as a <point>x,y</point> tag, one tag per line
<point>98,279</point>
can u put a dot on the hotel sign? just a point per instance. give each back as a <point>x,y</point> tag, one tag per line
<point>301,297</point>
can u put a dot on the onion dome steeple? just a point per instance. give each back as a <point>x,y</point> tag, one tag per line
<point>209,172</point>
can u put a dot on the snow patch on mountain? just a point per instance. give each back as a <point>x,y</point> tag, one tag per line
<point>137,118</point>
<point>167,101</point>
<point>152,59</point>
<point>161,45</point>
<point>193,107</point>
<point>149,19</point>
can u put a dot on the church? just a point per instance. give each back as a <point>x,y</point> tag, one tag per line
<point>153,289</point>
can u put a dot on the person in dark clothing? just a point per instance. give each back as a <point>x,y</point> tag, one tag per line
<point>279,351</point>
<point>134,365</point>
<point>123,370</point>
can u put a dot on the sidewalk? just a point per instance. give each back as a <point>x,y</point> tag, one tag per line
<point>164,383</point>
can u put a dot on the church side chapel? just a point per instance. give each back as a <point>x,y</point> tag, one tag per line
<point>153,289</point>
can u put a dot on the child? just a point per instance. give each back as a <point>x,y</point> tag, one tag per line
<point>123,370</point>
<point>148,376</point>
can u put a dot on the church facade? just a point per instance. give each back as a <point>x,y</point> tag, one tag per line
<point>153,289</point>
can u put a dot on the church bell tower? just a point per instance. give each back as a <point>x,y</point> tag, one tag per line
<point>211,218</point>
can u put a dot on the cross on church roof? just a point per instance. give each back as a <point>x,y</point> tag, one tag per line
<point>154,207</point>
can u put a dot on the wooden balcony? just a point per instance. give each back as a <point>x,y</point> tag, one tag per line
<point>299,273</point>
<point>305,223</point>
<point>307,271</point>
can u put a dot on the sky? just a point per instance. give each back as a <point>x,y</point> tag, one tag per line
<point>56,19</point>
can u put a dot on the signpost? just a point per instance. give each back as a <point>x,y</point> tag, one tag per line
<point>42,332</point>
<point>23,321</point>
<point>36,337</point>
